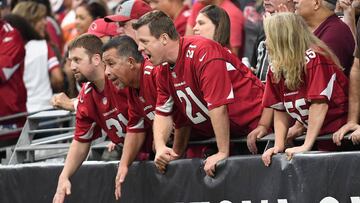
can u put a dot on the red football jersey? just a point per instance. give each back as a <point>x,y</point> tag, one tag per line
<point>207,76</point>
<point>12,89</point>
<point>142,101</point>
<point>322,81</point>
<point>106,110</point>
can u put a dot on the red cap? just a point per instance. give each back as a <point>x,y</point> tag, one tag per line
<point>131,9</point>
<point>100,28</point>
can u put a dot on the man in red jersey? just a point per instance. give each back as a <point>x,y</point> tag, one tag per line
<point>126,67</point>
<point>101,106</point>
<point>12,89</point>
<point>217,93</point>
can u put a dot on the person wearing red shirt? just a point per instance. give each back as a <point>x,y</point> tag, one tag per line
<point>307,85</point>
<point>126,67</point>
<point>12,89</point>
<point>216,92</point>
<point>101,106</point>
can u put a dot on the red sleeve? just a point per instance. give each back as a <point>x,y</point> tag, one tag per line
<point>214,79</point>
<point>136,122</point>
<point>12,51</point>
<point>86,128</point>
<point>164,100</point>
<point>320,77</point>
<point>53,62</point>
<point>272,95</point>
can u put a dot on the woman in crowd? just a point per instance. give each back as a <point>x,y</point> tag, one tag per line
<point>213,23</point>
<point>305,83</point>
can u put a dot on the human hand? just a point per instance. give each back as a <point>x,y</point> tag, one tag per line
<point>62,101</point>
<point>293,150</point>
<point>355,136</point>
<point>266,157</point>
<point>163,157</point>
<point>254,135</point>
<point>63,189</point>
<point>111,146</point>
<point>211,161</point>
<point>339,134</point>
<point>119,180</point>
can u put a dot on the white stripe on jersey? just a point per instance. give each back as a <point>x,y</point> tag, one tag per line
<point>7,27</point>
<point>329,89</point>
<point>90,132</point>
<point>52,62</point>
<point>9,71</point>
<point>167,107</point>
<point>229,67</point>
<point>139,125</point>
<point>278,106</point>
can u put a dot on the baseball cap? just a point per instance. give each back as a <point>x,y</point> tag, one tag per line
<point>333,2</point>
<point>131,9</point>
<point>100,28</point>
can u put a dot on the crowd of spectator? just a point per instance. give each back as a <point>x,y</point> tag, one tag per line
<point>174,71</point>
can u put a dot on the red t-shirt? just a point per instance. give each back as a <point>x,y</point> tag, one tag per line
<point>324,81</point>
<point>207,76</point>
<point>12,88</point>
<point>96,111</point>
<point>338,37</point>
<point>181,20</point>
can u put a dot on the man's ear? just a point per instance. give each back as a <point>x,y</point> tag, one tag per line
<point>164,39</point>
<point>317,4</point>
<point>131,62</point>
<point>96,59</point>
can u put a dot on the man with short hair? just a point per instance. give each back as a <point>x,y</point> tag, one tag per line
<point>216,92</point>
<point>324,23</point>
<point>101,106</point>
<point>126,67</point>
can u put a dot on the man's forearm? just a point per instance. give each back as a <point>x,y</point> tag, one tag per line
<point>162,128</point>
<point>354,92</point>
<point>132,145</point>
<point>76,155</point>
<point>221,125</point>
<point>181,139</point>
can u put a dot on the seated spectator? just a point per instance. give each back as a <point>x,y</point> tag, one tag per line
<point>305,83</point>
<point>12,88</point>
<point>176,10</point>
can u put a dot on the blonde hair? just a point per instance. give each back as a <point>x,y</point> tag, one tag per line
<point>31,11</point>
<point>287,39</point>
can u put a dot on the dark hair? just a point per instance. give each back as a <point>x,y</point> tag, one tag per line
<point>96,9</point>
<point>125,46</point>
<point>221,20</point>
<point>158,23</point>
<point>91,43</point>
<point>23,26</point>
